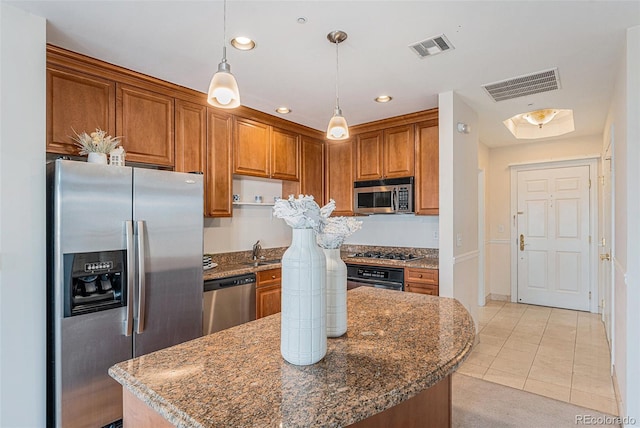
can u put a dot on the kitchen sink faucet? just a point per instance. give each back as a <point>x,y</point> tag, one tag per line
<point>256,250</point>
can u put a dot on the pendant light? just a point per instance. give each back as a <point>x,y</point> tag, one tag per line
<point>223,89</point>
<point>338,128</point>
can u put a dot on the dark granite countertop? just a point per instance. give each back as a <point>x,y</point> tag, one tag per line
<point>237,377</point>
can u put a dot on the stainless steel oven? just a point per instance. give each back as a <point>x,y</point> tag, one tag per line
<point>390,196</point>
<point>375,276</point>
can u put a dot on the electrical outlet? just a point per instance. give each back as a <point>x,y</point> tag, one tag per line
<point>435,235</point>
<point>459,240</point>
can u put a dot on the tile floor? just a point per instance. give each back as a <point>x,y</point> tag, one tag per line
<point>553,352</point>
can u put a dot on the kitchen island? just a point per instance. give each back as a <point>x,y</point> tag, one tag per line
<point>392,368</point>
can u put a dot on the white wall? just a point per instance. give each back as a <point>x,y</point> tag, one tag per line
<point>22,219</point>
<point>249,222</point>
<point>458,202</point>
<point>499,197</point>
<point>623,119</point>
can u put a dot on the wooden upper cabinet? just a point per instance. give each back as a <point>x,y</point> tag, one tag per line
<point>426,200</point>
<point>369,156</point>
<point>251,148</point>
<point>285,153</point>
<point>145,121</point>
<point>80,102</point>
<point>312,175</point>
<point>218,175</point>
<point>339,179</point>
<point>387,153</point>
<point>191,137</point>
<point>398,152</point>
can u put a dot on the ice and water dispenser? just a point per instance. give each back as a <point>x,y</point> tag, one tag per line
<point>94,282</point>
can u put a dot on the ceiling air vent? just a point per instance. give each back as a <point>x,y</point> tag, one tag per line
<point>535,83</point>
<point>432,46</point>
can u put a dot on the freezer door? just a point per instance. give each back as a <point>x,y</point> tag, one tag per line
<point>91,344</point>
<point>167,210</point>
<point>93,203</point>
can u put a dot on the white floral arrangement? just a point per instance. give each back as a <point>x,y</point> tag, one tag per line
<point>336,230</point>
<point>303,212</point>
<point>96,142</point>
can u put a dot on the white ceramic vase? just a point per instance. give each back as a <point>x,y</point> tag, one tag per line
<point>97,158</point>
<point>303,339</point>
<point>336,293</point>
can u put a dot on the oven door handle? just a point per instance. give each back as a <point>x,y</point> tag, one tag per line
<point>373,282</point>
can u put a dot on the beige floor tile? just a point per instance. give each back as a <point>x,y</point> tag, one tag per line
<point>516,367</point>
<point>472,370</point>
<point>520,345</point>
<point>550,374</point>
<point>517,355</point>
<point>479,359</point>
<point>562,345</point>
<point>603,372</point>
<point>593,385</point>
<point>553,360</point>
<point>494,304</point>
<point>504,378</point>
<point>592,359</point>
<point>597,339</point>
<point>593,401</point>
<point>561,333</point>
<point>558,352</point>
<point>492,340</point>
<point>526,337</point>
<point>601,350</point>
<point>485,348</point>
<point>546,389</point>
<point>530,328</point>
<point>496,331</point>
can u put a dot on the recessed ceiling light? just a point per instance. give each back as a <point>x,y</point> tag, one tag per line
<point>283,110</point>
<point>383,99</point>
<point>243,43</point>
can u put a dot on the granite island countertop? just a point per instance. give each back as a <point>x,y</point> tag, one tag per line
<point>396,346</point>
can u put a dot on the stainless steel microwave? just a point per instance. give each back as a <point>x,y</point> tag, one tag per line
<point>390,196</point>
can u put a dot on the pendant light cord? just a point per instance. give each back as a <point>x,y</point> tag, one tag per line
<point>224,31</point>
<point>337,75</point>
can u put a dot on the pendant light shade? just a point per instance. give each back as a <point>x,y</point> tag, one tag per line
<point>338,128</point>
<point>223,89</point>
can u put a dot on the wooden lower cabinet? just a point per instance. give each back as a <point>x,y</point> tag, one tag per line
<point>423,281</point>
<point>268,292</point>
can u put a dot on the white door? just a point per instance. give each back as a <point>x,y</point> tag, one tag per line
<point>605,267</point>
<point>553,237</point>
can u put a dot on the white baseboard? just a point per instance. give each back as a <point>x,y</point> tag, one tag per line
<point>499,297</point>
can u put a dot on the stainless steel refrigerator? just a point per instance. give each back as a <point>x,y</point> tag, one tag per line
<point>124,279</point>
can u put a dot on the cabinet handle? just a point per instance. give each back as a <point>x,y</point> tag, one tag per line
<point>420,276</point>
<point>273,277</point>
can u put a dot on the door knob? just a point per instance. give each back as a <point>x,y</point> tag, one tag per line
<point>604,257</point>
<point>521,242</point>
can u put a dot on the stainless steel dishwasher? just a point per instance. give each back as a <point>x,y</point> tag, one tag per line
<point>228,302</point>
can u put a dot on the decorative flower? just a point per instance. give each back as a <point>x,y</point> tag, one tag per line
<point>96,142</point>
<point>336,230</point>
<point>303,212</point>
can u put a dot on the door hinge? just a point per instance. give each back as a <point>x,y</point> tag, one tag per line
<point>589,239</point>
<point>604,242</point>
<point>602,179</point>
<point>589,295</point>
<point>589,183</point>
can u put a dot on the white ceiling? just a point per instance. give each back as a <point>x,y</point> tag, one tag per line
<point>294,64</point>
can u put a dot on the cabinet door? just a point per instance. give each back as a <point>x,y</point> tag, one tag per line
<point>251,148</point>
<point>427,164</point>
<point>369,154</point>
<point>285,152</point>
<point>312,181</point>
<point>218,175</point>
<point>339,187</point>
<point>145,121</point>
<point>79,102</point>
<point>268,300</point>
<point>398,152</point>
<point>191,137</point>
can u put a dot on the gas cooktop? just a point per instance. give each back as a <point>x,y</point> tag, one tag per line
<point>387,256</point>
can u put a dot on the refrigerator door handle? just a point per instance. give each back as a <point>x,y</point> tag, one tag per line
<point>128,327</point>
<point>141,277</point>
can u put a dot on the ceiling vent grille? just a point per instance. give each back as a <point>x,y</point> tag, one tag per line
<point>535,83</point>
<point>432,46</point>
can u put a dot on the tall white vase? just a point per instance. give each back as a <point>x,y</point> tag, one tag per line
<point>336,293</point>
<point>303,339</point>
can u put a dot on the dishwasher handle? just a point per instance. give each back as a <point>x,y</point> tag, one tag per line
<point>232,281</point>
